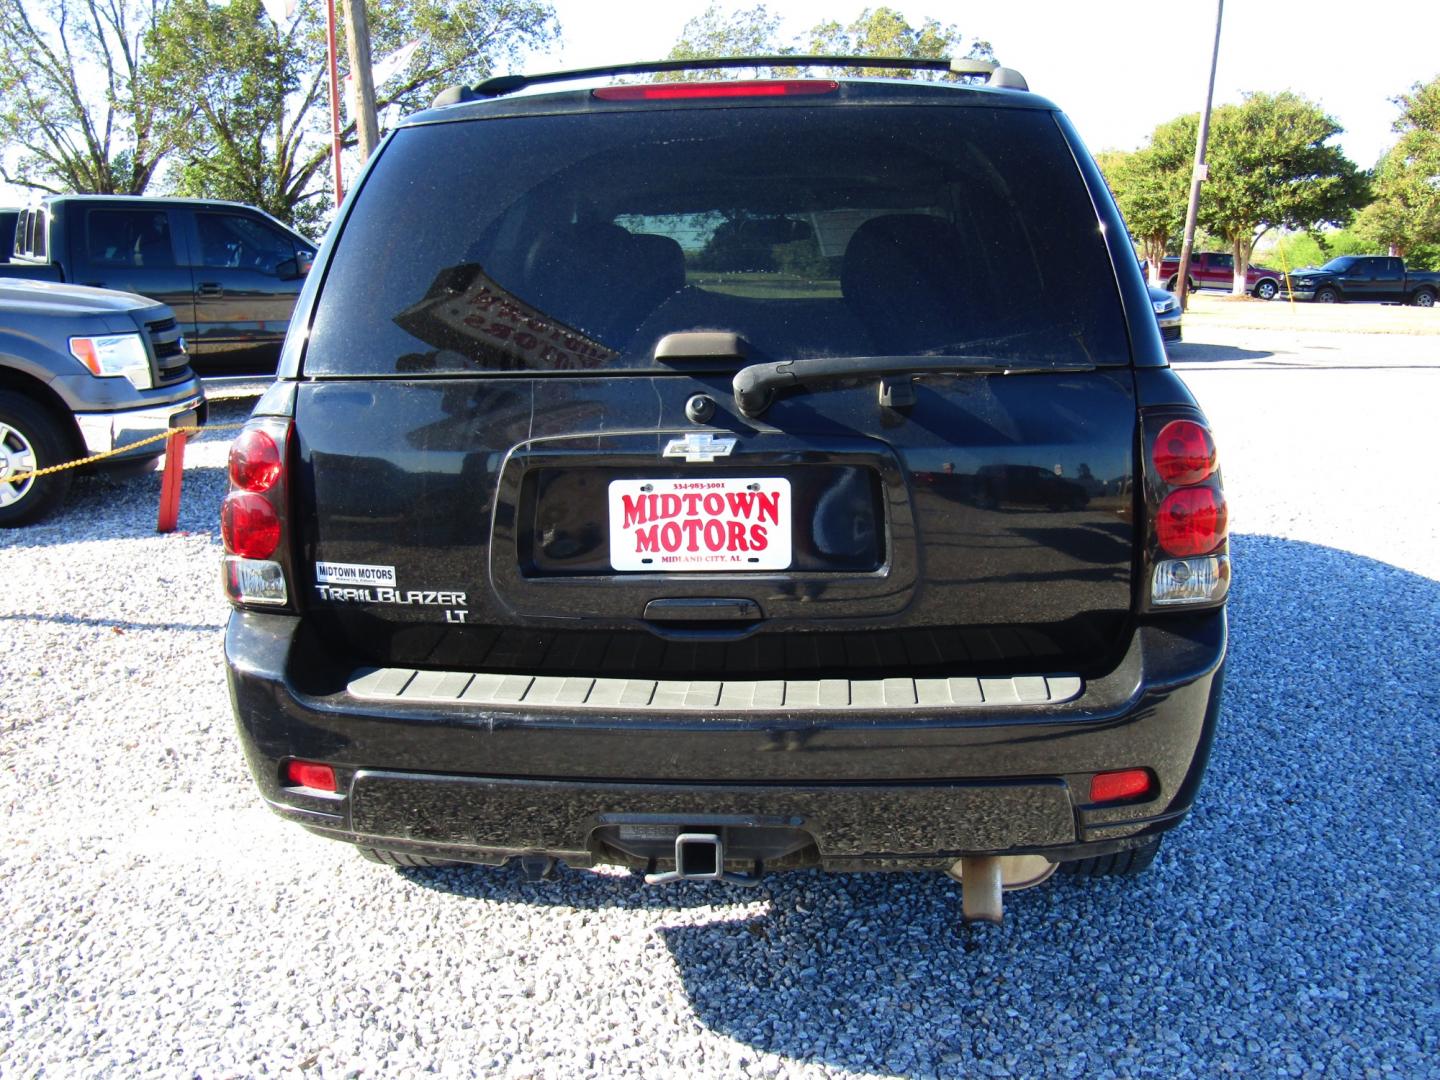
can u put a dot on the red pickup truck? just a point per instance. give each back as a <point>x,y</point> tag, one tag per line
<point>1216,270</point>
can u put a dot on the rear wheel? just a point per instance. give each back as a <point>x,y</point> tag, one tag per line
<point>1327,295</point>
<point>399,858</point>
<point>30,439</point>
<point>1125,863</point>
<point>1424,298</point>
<point>1265,289</point>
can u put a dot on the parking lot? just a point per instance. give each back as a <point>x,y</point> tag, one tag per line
<point>156,919</point>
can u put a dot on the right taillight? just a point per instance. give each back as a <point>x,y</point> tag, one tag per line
<point>1189,555</point>
<point>1183,453</point>
<point>252,517</point>
<point>1191,521</point>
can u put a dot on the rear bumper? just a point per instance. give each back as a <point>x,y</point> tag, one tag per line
<point>846,789</point>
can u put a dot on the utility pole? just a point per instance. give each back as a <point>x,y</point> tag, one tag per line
<point>357,43</point>
<point>334,98</point>
<point>1201,171</point>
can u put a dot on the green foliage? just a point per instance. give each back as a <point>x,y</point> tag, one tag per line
<point>878,31</point>
<point>718,32</point>
<point>73,117</point>
<point>255,125</point>
<point>1290,252</point>
<point>883,31</point>
<point>1406,209</point>
<point>802,259</point>
<point>1151,186</point>
<point>1271,167</point>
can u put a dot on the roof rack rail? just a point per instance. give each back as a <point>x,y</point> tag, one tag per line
<point>995,75</point>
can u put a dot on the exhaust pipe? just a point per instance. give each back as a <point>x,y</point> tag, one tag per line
<point>985,878</point>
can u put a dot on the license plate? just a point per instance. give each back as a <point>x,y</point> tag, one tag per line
<point>729,524</point>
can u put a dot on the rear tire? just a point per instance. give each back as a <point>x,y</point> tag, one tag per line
<point>1125,863</point>
<point>1423,298</point>
<point>399,858</point>
<point>30,438</point>
<point>1327,295</point>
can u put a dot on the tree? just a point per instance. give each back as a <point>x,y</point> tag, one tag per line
<point>1405,215</point>
<point>1151,186</point>
<point>884,31</point>
<point>716,32</point>
<point>879,31</point>
<point>1271,167</point>
<point>73,117</point>
<point>256,128</point>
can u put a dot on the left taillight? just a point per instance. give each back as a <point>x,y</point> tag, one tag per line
<point>253,515</point>
<point>1188,547</point>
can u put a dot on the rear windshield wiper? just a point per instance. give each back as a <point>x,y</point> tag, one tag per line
<point>756,385</point>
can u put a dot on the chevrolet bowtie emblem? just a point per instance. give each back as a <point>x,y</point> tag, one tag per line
<point>700,446</point>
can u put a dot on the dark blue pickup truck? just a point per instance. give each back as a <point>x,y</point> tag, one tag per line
<point>229,272</point>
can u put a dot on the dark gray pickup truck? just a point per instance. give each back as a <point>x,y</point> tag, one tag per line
<point>229,272</point>
<point>1378,278</point>
<point>83,371</point>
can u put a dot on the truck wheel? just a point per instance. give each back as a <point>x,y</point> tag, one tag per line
<point>30,439</point>
<point>399,858</point>
<point>1423,298</point>
<point>1327,295</point>
<point>1266,289</point>
<point>1125,863</point>
<point>1174,280</point>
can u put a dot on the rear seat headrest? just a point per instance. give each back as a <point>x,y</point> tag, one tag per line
<point>900,250</point>
<point>903,275</point>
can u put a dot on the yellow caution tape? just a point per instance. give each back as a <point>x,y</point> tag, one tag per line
<point>19,478</point>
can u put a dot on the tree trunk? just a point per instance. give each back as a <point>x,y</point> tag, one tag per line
<point>1240,248</point>
<point>1154,248</point>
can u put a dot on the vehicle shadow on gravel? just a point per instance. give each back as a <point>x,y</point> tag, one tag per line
<point>1288,924</point>
<point>1194,352</point>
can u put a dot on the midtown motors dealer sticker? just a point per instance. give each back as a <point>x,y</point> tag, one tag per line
<point>729,524</point>
<point>339,573</point>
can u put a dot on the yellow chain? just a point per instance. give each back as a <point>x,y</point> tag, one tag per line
<point>18,478</point>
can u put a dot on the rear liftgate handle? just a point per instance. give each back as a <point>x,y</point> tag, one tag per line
<point>702,617</point>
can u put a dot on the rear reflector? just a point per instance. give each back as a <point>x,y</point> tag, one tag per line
<point>1114,786</point>
<point>689,91</point>
<point>310,774</point>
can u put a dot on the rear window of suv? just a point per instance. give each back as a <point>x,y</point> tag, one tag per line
<point>575,242</point>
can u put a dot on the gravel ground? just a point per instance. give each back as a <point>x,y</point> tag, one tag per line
<point>157,920</point>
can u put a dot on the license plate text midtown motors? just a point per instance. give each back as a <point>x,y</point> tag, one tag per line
<point>719,524</point>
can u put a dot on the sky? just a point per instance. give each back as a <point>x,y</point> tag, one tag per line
<point>1117,67</point>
